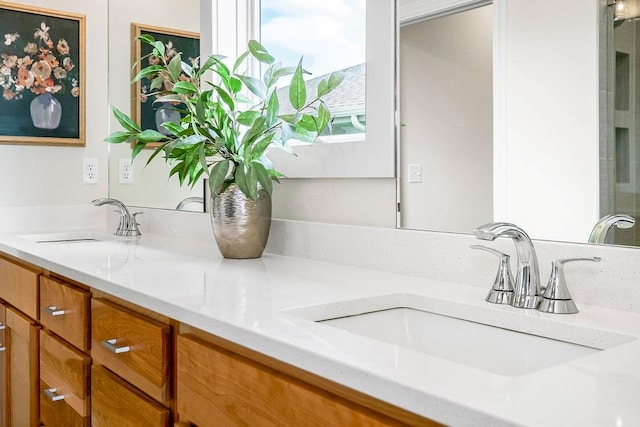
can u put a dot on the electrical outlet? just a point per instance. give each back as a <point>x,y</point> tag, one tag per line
<point>89,170</point>
<point>125,171</point>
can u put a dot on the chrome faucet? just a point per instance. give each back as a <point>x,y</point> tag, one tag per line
<point>527,293</point>
<point>189,200</point>
<point>600,230</point>
<point>128,225</point>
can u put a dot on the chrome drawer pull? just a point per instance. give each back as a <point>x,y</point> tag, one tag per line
<point>111,346</point>
<point>52,394</point>
<point>2,347</point>
<point>54,311</point>
<point>2,326</point>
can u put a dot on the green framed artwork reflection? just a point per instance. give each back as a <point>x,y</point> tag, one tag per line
<point>147,113</point>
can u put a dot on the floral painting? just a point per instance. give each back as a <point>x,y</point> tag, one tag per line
<point>41,76</point>
<point>148,113</point>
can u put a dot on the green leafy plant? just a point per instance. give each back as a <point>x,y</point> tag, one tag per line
<point>225,130</point>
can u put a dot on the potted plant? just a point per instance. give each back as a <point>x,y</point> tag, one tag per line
<point>226,127</point>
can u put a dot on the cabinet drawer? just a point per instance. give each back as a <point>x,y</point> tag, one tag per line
<point>116,403</point>
<point>65,310</point>
<point>133,346</point>
<point>215,384</point>
<point>19,287</point>
<point>64,383</point>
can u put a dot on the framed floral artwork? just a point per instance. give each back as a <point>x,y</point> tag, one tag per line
<point>42,59</point>
<point>145,111</point>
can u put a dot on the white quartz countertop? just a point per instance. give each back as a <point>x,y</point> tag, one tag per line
<point>265,304</point>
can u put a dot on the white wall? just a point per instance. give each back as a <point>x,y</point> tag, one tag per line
<point>446,111</point>
<point>36,176</point>
<point>547,149</point>
<point>151,187</point>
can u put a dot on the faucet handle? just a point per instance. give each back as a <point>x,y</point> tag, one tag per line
<point>502,289</point>
<point>556,297</point>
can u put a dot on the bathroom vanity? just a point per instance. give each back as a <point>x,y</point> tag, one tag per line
<point>191,337</point>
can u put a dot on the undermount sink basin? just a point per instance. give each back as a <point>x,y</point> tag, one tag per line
<point>69,237</point>
<point>508,343</point>
<point>492,349</point>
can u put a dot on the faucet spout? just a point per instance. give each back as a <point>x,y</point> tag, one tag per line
<point>527,290</point>
<point>600,230</point>
<point>128,225</point>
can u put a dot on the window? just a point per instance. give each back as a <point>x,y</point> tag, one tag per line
<point>332,36</point>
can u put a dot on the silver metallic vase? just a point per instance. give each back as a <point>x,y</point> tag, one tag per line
<point>241,225</point>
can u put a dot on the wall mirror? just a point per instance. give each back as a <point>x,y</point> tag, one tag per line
<point>549,168</point>
<point>535,150</point>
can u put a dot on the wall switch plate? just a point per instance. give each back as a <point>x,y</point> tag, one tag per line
<point>415,173</point>
<point>125,171</point>
<point>89,170</point>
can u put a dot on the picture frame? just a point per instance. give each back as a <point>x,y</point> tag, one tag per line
<point>42,76</point>
<point>145,113</point>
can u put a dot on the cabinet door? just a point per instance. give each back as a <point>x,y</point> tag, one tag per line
<point>3,368</point>
<point>64,383</point>
<point>215,384</point>
<point>133,346</point>
<point>22,375</point>
<point>115,403</point>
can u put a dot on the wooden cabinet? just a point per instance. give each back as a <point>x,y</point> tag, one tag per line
<point>64,309</point>
<point>22,380</point>
<point>133,346</point>
<point>116,403</point>
<point>19,287</point>
<point>64,383</point>
<point>3,367</point>
<point>216,384</point>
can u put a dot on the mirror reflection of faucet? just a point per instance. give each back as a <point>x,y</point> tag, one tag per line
<point>602,227</point>
<point>128,225</point>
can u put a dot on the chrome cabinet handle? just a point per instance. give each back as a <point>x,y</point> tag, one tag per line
<point>2,326</point>
<point>2,347</point>
<point>52,394</point>
<point>111,346</point>
<point>54,311</point>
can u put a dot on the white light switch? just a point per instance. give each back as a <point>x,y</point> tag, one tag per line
<point>415,173</point>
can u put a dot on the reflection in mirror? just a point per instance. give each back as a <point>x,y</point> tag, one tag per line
<point>135,184</point>
<point>328,39</point>
<point>446,136</point>
<point>620,181</point>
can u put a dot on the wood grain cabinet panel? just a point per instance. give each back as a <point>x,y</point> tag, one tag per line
<point>19,287</point>
<point>116,403</point>
<point>22,374</point>
<point>215,384</point>
<point>133,346</point>
<point>64,383</point>
<point>65,310</point>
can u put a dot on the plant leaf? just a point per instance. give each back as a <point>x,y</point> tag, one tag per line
<point>246,118</point>
<point>239,61</point>
<point>118,137</point>
<point>146,39</point>
<point>261,145</point>
<point>252,182</point>
<point>125,121</point>
<point>173,127</point>
<point>263,176</point>
<point>137,148</point>
<point>256,86</point>
<point>186,88</point>
<point>260,53</point>
<point>256,129</point>
<point>240,179</point>
<point>323,119</point>
<point>149,135</point>
<point>298,89</point>
<point>217,175</point>
<point>175,67</point>
<point>273,106</point>
<point>151,70</point>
